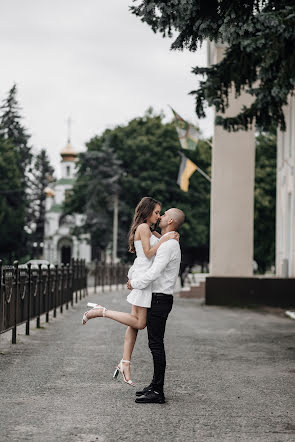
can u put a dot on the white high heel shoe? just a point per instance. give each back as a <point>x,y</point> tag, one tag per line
<point>119,369</point>
<point>96,307</point>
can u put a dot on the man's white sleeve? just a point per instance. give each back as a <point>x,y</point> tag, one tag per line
<point>162,258</point>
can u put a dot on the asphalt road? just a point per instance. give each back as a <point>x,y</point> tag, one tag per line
<point>230,377</point>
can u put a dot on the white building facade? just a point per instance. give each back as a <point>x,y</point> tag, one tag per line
<point>60,245</point>
<point>285,207</point>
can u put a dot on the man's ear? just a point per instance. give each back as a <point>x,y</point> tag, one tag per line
<point>171,220</point>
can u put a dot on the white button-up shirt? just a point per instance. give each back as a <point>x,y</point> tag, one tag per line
<point>164,271</point>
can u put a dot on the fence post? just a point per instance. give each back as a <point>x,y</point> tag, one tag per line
<point>71,283</point>
<point>15,264</point>
<point>67,284</point>
<point>39,282</point>
<point>103,273</point>
<point>29,300</point>
<point>62,288</point>
<point>48,288</point>
<point>95,274</point>
<point>99,276</point>
<point>80,277</point>
<point>75,281</point>
<point>86,277</point>
<point>55,290</point>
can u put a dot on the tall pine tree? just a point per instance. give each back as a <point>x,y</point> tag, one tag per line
<point>40,176</point>
<point>12,131</point>
<point>11,213</point>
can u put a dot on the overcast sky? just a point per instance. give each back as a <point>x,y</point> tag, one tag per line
<point>91,60</point>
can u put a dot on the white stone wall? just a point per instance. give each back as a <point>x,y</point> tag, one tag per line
<point>85,248</point>
<point>51,223</point>
<point>48,203</point>
<point>285,225</point>
<point>68,169</point>
<point>50,250</point>
<point>60,190</point>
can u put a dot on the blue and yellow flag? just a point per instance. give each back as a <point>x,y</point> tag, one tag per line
<point>188,137</point>
<point>186,169</point>
<point>187,133</point>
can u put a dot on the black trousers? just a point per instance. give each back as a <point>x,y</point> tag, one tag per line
<point>157,316</point>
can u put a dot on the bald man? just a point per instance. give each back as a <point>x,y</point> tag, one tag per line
<point>163,275</point>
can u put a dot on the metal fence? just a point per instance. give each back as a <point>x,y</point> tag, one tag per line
<point>27,292</point>
<point>110,274</point>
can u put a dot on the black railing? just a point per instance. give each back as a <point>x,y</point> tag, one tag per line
<point>110,274</point>
<point>27,292</point>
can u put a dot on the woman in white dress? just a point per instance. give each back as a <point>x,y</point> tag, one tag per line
<point>145,243</point>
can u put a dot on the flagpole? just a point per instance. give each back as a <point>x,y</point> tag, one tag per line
<point>204,174</point>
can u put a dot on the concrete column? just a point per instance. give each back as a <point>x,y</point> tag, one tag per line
<point>285,202</point>
<point>232,194</point>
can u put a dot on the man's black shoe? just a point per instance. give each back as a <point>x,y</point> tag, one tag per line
<point>151,397</point>
<point>144,390</point>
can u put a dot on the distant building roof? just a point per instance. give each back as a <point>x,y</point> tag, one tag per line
<point>68,153</point>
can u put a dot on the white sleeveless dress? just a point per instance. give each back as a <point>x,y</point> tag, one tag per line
<point>141,298</point>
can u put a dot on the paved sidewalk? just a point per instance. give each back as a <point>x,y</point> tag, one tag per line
<point>230,377</point>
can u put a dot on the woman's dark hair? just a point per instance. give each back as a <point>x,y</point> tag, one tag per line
<point>143,211</point>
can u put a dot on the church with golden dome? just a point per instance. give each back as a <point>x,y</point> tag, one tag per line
<point>60,243</point>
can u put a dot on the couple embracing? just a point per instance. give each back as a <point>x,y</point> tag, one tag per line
<point>151,280</point>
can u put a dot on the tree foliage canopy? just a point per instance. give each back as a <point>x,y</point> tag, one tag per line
<point>23,178</point>
<point>259,58</point>
<point>11,212</point>
<point>40,176</point>
<point>14,136</point>
<point>11,128</point>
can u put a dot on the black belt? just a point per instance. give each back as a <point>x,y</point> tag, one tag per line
<point>159,295</point>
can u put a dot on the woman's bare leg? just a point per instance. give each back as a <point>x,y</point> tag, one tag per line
<point>129,342</point>
<point>135,319</point>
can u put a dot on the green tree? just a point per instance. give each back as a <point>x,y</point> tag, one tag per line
<point>148,153</point>
<point>265,200</point>
<point>260,39</point>
<point>99,172</point>
<point>40,176</point>
<point>11,213</point>
<point>12,130</point>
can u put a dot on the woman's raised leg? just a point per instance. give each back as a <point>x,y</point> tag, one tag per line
<point>135,319</point>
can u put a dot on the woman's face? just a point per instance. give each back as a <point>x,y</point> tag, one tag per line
<point>155,215</point>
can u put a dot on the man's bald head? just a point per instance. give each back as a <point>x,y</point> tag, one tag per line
<point>178,217</point>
